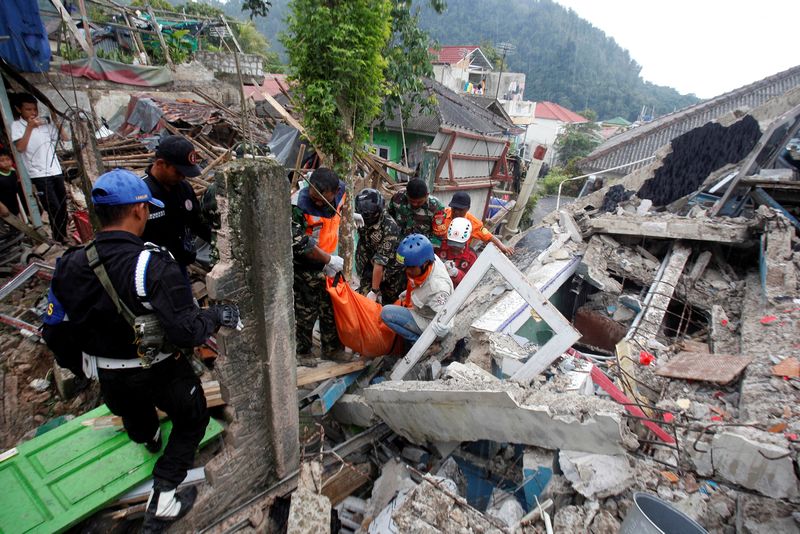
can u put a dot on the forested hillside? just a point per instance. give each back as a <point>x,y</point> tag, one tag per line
<point>566,59</point>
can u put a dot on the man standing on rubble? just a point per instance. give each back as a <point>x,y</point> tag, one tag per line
<point>428,288</point>
<point>176,223</point>
<point>123,308</point>
<point>417,212</point>
<point>459,207</point>
<point>378,239</point>
<point>36,138</point>
<point>315,237</point>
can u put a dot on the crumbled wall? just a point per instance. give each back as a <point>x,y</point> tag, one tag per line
<point>256,366</point>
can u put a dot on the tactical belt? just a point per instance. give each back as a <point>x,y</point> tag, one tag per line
<point>114,363</point>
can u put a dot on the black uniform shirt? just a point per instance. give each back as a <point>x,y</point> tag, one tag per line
<point>172,225</point>
<point>92,320</point>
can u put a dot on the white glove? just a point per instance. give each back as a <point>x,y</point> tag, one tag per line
<point>374,297</point>
<point>441,329</point>
<point>359,220</point>
<point>334,265</point>
<point>451,268</point>
<point>402,296</point>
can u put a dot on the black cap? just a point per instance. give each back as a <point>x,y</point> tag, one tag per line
<point>460,201</point>
<point>180,152</point>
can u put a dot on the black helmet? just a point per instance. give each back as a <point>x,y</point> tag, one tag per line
<point>370,204</point>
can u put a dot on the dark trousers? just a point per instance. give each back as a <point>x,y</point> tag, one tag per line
<point>173,387</point>
<point>311,301</point>
<point>53,195</point>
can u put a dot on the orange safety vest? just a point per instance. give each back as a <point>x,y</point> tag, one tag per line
<point>325,229</point>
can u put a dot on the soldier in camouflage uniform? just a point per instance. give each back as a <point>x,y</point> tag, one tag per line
<point>382,278</point>
<point>315,231</point>
<point>417,212</point>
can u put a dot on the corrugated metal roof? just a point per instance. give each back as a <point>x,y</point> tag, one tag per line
<point>453,110</point>
<point>643,141</point>
<point>552,111</point>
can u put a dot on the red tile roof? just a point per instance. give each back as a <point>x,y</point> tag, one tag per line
<point>552,111</point>
<point>450,55</point>
<point>272,86</point>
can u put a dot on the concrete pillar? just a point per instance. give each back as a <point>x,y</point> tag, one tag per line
<point>256,366</point>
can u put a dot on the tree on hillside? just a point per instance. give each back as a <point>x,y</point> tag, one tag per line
<point>578,139</point>
<point>253,41</point>
<point>199,9</point>
<point>336,60</point>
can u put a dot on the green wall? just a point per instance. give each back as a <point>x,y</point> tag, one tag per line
<point>394,141</point>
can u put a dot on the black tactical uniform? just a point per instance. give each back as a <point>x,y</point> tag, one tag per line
<point>92,325</point>
<point>175,225</point>
<point>377,244</point>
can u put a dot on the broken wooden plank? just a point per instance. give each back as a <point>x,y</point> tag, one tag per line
<point>672,227</point>
<point>73,28</point>
<point>346,481</point>
<point>717,368</point>
<point>310,375</point>
<point>157,28</point>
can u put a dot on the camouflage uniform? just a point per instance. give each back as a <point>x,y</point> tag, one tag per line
<point>378,244</point>
<point>311,299</point>
<point>427,220</point>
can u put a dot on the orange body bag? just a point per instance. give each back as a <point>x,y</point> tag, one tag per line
<point>358,320</point>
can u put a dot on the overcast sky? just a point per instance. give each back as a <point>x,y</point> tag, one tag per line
<point>705,47</point>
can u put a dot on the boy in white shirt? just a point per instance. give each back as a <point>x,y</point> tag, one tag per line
<point>35,139</point>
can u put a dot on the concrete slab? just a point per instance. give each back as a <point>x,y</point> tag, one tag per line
<point>672,227</point>
<point>746,457</point>
<point>309,511</point>
<point>500,411</point>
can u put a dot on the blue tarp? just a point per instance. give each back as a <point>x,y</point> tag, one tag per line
<point>27,47</point>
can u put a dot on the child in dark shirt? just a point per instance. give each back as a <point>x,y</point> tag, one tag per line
<point>9,185</point>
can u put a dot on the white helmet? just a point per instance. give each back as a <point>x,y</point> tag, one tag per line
<point>460,230</point>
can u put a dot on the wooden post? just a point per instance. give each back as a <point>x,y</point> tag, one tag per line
<point>233,37</point>
<point>137,39</point>
<point>87,31</point>
<point>161,40</point>
<point>90,162</point>
<point>65,16</point>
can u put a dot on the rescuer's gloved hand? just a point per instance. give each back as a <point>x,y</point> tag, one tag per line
<point>374,296</point>
<point>228,315</point>
<point>451,268</point>
<point>334,265</point>
<point>359,220</point>
<point>441,329</point>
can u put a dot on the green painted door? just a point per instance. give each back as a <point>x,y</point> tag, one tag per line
<point>63,476</point>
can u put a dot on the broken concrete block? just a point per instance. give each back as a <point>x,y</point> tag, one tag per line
<point>748,458</point>
<point>596,476</point>
<point>604,523</point>
<point>309,511</point>
<point>353,410</point>
<point>394,479</point>
<point>504,507</point>
<point>570,519</point>
<point>455,410</point>
<point>432,507</point>
<point>760,515</point>
<point>415,455</point>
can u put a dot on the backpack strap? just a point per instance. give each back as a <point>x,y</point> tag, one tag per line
<point>105,281</point>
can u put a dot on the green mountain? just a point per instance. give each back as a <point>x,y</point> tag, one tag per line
<point>565,59</point>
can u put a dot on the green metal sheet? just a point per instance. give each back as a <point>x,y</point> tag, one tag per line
<point>65,475</point>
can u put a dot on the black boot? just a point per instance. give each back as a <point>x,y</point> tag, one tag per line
<point>164,507</point>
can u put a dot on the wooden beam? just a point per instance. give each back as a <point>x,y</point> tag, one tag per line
<point>161,40</point>
<point>310,375</point>
<point>86,29</point>
<point>346,481</point>
<point>67,18</point>
<point>137,39</point>
<point>233,37</point>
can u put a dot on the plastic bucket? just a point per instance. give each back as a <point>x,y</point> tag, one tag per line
<point>651,515</point>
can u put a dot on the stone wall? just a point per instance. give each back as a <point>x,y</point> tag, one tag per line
<point>256,366</point>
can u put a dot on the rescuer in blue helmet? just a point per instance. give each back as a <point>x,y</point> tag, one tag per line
<point>428,287</point>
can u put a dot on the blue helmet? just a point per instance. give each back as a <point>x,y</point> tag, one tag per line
<point>415,251</point>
